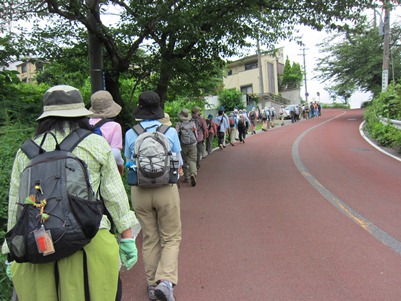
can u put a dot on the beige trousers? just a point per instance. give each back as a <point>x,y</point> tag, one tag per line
<point>158,212</point>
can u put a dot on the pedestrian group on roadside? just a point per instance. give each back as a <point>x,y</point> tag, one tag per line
<point>156,156</point>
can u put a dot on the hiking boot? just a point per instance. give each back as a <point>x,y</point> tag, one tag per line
<point>164,291</point>
<point>151,292</point>
<point>193,180</point>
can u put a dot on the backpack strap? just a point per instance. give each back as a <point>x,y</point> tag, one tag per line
<point>163,128</point>
<point>101,122</point>
<point>73,139</point>
<point>138,129</point>
<point>32,149</point>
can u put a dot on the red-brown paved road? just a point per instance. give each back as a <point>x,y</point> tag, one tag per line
<point>255,228</point>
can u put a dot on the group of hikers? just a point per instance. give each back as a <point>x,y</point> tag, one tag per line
<point>70,224</point>
<point>197,133</point>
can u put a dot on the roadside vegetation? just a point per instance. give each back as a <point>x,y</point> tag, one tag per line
<point>385,107</point>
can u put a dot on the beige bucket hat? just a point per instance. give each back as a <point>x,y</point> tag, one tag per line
<point>166,120</point>
<point>103,105</point>
<point>184,115</point>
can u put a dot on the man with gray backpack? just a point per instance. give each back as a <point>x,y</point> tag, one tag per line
<point>186,129</point>
<point>156,201</point>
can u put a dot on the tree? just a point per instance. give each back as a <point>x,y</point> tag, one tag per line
<point>292,75</point>
<point>231,98</point>
<point>179,32</point>
<point>286,77</point>
<point>355,61</point>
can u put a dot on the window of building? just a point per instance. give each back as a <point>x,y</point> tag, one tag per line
<point>247,89</point>
<point>251,65</point>
<point>39,66</point>
<point>272,79</point>
<point>24,68</point>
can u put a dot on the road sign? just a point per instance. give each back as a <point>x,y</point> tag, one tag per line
<point>384,80</point>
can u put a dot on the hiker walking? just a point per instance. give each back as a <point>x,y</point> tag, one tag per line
<point>222,126</point>
<point>187,133</point>
<point>157,208</point>
<point>63,279</point>
<point>202,133</point>
<point>104,109</point>
<point>212,129</point>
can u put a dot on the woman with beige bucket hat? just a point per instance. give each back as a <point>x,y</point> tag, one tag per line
<point>104,109</point>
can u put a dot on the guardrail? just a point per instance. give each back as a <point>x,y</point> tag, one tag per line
<point>396,123</point>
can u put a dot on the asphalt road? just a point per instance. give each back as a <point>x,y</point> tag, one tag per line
<point>308,211</point>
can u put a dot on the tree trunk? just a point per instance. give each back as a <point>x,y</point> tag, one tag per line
<point>112,85</point>
<point>164,81</point>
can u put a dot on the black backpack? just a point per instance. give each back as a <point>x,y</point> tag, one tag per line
<point>58,211</point>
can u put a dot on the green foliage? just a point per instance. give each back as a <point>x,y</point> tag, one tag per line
<point>336,105</point>
<point>12,136</point>
<point>387,105</point>
<point>21,105</point>
<point>230,98</point>
<point>386,135</point>
<point>346,65</point>
<point>174,107</point>
<point>179,37</point>
<point>292,75</point>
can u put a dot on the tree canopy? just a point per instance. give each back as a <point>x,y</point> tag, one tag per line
<point>353,60</point>
<point>179,37</point>
<point>292,75</point>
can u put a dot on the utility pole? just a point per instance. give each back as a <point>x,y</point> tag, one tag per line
<point>306,87</point>
<point>95,48</point>
<point>261,89</point>
<point>386,45</point>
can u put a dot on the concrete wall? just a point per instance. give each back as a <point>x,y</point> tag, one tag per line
<point>293,95</point>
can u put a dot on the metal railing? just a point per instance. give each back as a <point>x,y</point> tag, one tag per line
<point>396,123</point>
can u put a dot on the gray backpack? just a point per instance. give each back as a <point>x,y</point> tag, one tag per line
<point>58,212</point>
<point>153,157</point>
<point>188,133</point>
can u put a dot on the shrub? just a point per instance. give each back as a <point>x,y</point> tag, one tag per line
<point>387,105</point>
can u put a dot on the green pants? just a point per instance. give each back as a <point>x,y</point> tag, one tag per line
<point>37,281</point>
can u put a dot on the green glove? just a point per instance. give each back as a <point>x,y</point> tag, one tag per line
<point>128,252</point>
<point>8,269</point>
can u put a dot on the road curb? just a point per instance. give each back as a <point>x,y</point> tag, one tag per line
<point>373,144</point>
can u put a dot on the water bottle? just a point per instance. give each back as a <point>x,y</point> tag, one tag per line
<point>174,165</point>
<point>132,178</point>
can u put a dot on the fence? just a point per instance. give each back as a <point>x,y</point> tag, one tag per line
<point>396,123</point>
